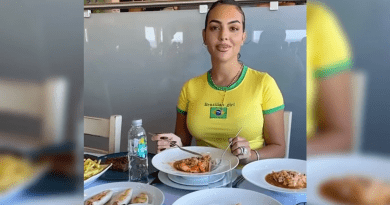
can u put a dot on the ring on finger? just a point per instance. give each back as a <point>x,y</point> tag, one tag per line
<point>244,150</point>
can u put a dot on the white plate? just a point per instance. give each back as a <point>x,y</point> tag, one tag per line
<point>225,196</point>
<point>156,197</point>
<point>164,179</point>
<point>196,181</point>
<point>93,178</point>
<point>321,169</point>
<point>39,171</point>
<point>256,172</point>
<point>162,160</point>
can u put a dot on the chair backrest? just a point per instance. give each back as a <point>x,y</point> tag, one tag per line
<point>287,131</point>
<point>359,84</point>
<point>107,128</point>
<point>46,101</point>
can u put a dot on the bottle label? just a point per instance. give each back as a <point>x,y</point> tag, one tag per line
<point>142,149</point>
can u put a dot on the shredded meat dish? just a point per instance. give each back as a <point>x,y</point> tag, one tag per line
<point>356,190</point>
<point>288,179</point>
<point>194,164</point>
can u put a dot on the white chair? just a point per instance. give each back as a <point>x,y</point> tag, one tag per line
<point>44,101</point>
<point>107,128</point>
<point>359,84</point>
<point>287,131</point>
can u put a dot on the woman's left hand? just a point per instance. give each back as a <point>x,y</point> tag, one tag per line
<point>236,149</point>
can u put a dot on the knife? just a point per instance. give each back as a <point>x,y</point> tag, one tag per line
<point>238,181</point>
<point>156,179</point>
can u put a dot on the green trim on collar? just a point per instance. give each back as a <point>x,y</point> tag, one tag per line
<point>234,85</point>
<point>181,111</point>
<point>333,69</point>
<point>266,112</point>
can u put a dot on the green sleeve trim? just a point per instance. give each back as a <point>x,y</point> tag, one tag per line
<point>181,111</point>
<point>333,69</point>
<point>266,112</point>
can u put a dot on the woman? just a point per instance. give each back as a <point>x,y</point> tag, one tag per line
<point>214,106</point>
<point>329,58</point>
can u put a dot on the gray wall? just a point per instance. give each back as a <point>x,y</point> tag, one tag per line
<point>129,75</point>
<point>367,24</point>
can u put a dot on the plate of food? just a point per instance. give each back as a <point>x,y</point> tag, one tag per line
<point>180,163</point>
<point>124,193</point>
<point>225,196</point>
<point>120,166</point>
<point>18,173</point>
<point>348,179</point>
<point>164,178</point>
<point>93,170</point>
<point>280,175</point>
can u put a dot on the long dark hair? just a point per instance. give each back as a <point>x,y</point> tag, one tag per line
<point>228,2</point>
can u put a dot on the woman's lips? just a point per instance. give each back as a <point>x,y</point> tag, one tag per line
<point>223,47</point>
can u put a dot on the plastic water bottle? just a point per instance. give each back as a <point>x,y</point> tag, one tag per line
<point>138,153</point>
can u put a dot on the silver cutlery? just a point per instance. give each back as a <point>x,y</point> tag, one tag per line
<point>173,144</point>
<point>223,154</point>
<point>238,181</point>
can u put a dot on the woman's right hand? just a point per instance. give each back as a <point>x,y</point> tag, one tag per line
<point>164,140</point>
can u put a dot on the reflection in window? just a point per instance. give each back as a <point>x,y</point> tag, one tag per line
<point>295,35</point>
<point>291,36</point>
<point>178,38</point>
<point>256,36</point>
<point>161,36</point>
<point>86,36</point>
<point>150,36</point>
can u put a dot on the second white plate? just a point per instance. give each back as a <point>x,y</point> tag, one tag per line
<point>225,196</point>
<point>164,179</point>
<point>196,181</point>
<point>156,196</point>
<point>256,172</point>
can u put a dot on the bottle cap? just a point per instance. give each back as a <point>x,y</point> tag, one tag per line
<point>137,122</point>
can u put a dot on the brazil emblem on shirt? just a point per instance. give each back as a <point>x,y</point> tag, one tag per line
<point>218,112</point>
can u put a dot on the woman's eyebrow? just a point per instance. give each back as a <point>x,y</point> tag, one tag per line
<point>231,22</point>
<point>236,21</point>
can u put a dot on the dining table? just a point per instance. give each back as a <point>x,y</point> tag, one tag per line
<point>172,194</point>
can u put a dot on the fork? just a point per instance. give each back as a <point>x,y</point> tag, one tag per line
<point>172,144</point>
<point>238,181</point>
<point>223,154</point>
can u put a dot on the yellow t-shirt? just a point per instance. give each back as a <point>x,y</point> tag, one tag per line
<point>215,114</point>
<point>328,53</point>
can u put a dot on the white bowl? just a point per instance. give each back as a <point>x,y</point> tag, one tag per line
<point>256,172</point>
<point>164,179</point>
<point>94,177</point>
<point>163,160</point>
